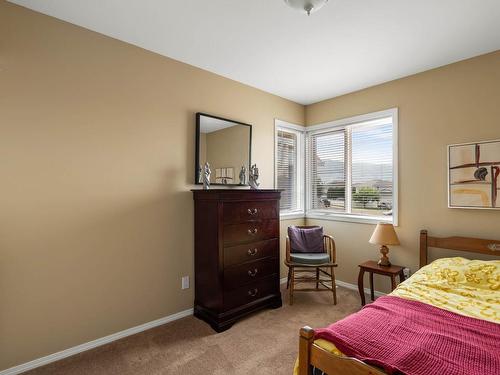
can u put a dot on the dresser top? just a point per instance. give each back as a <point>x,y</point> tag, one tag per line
<point>237,190</point>
<point>236,194</point>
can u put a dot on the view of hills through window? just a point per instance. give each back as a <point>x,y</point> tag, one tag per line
<point>359,156</point>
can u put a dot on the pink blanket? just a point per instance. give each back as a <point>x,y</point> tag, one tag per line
<point>413,338</point>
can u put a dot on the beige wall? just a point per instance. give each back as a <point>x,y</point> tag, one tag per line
<point>97,150</point>
<point>454,104</point>
<point>97,157</point>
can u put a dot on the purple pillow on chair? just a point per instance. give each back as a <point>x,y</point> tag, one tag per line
<point>306,240</point>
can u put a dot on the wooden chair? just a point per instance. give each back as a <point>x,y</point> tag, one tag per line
<point>317,267</point>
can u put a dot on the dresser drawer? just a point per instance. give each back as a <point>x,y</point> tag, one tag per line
<point>249,272</point>
<point>245,253</point>
<point>251,292</point>
<point>250,232</point>
<point>238,212</point>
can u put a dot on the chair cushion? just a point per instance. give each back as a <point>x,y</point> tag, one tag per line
<point>306,240</point>
<point>310,258</point>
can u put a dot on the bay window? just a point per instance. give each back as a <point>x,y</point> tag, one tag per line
<point>350,169</point>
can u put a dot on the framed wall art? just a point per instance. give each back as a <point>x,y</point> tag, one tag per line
<point>474,175</point>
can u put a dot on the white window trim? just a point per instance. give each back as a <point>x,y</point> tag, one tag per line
<point>301,188</point>
<point>342,123</point>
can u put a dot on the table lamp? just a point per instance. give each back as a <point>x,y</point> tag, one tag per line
<point>383,235</point>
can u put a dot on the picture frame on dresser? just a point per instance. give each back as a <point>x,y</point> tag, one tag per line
<point>237,258</point>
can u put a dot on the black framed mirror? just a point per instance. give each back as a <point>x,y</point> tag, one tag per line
<point>226,145</point>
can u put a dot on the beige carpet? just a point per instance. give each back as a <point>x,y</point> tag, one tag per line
<point>264,343</point>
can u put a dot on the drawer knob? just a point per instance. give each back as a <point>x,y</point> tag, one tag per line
<point>252,252</point>
<point>252,211</point>
<point>254,273</point>
<point>253,293</point>
<point>253,231</point>
<point>494,247</point>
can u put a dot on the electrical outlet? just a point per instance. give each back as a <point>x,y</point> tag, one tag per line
<point>406,272</point>
<point>185,282</point>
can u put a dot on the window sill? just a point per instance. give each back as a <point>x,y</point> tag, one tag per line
<point>292,215</point>
<point>349,218</point>
<point>318,215</point>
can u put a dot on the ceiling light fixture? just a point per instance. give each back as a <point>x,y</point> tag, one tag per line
<point>308,6</point>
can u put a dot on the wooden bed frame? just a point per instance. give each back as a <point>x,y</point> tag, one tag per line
<point>311,354</point>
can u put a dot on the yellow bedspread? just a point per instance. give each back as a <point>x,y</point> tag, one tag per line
<point>463,286</point>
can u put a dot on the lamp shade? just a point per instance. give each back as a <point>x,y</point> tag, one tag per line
<point>384,234</point>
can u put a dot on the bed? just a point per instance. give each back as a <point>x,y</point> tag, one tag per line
<point>461,296</point>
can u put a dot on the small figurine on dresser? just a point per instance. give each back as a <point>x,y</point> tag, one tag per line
<point>206,176</point>
<point>253,177</point>
<point>243,175</point>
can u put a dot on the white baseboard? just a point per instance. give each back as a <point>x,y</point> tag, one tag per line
<point>355,287</point>
<point>128,332</point>
<point>342,284</point>
<point>94,344</point>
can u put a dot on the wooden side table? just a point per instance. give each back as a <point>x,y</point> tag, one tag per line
<point>372,267</point>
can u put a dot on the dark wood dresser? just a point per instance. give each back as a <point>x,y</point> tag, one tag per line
<point>236,254</point>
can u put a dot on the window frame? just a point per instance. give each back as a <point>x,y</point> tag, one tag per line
<point>300,187</point>
<point>343,124</point>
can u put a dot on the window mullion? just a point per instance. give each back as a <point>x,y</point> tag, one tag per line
<point>307,173</point>
<point>348,169</point>
<point>301,173</point>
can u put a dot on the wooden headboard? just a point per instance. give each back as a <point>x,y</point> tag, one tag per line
<point>471,245</point>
